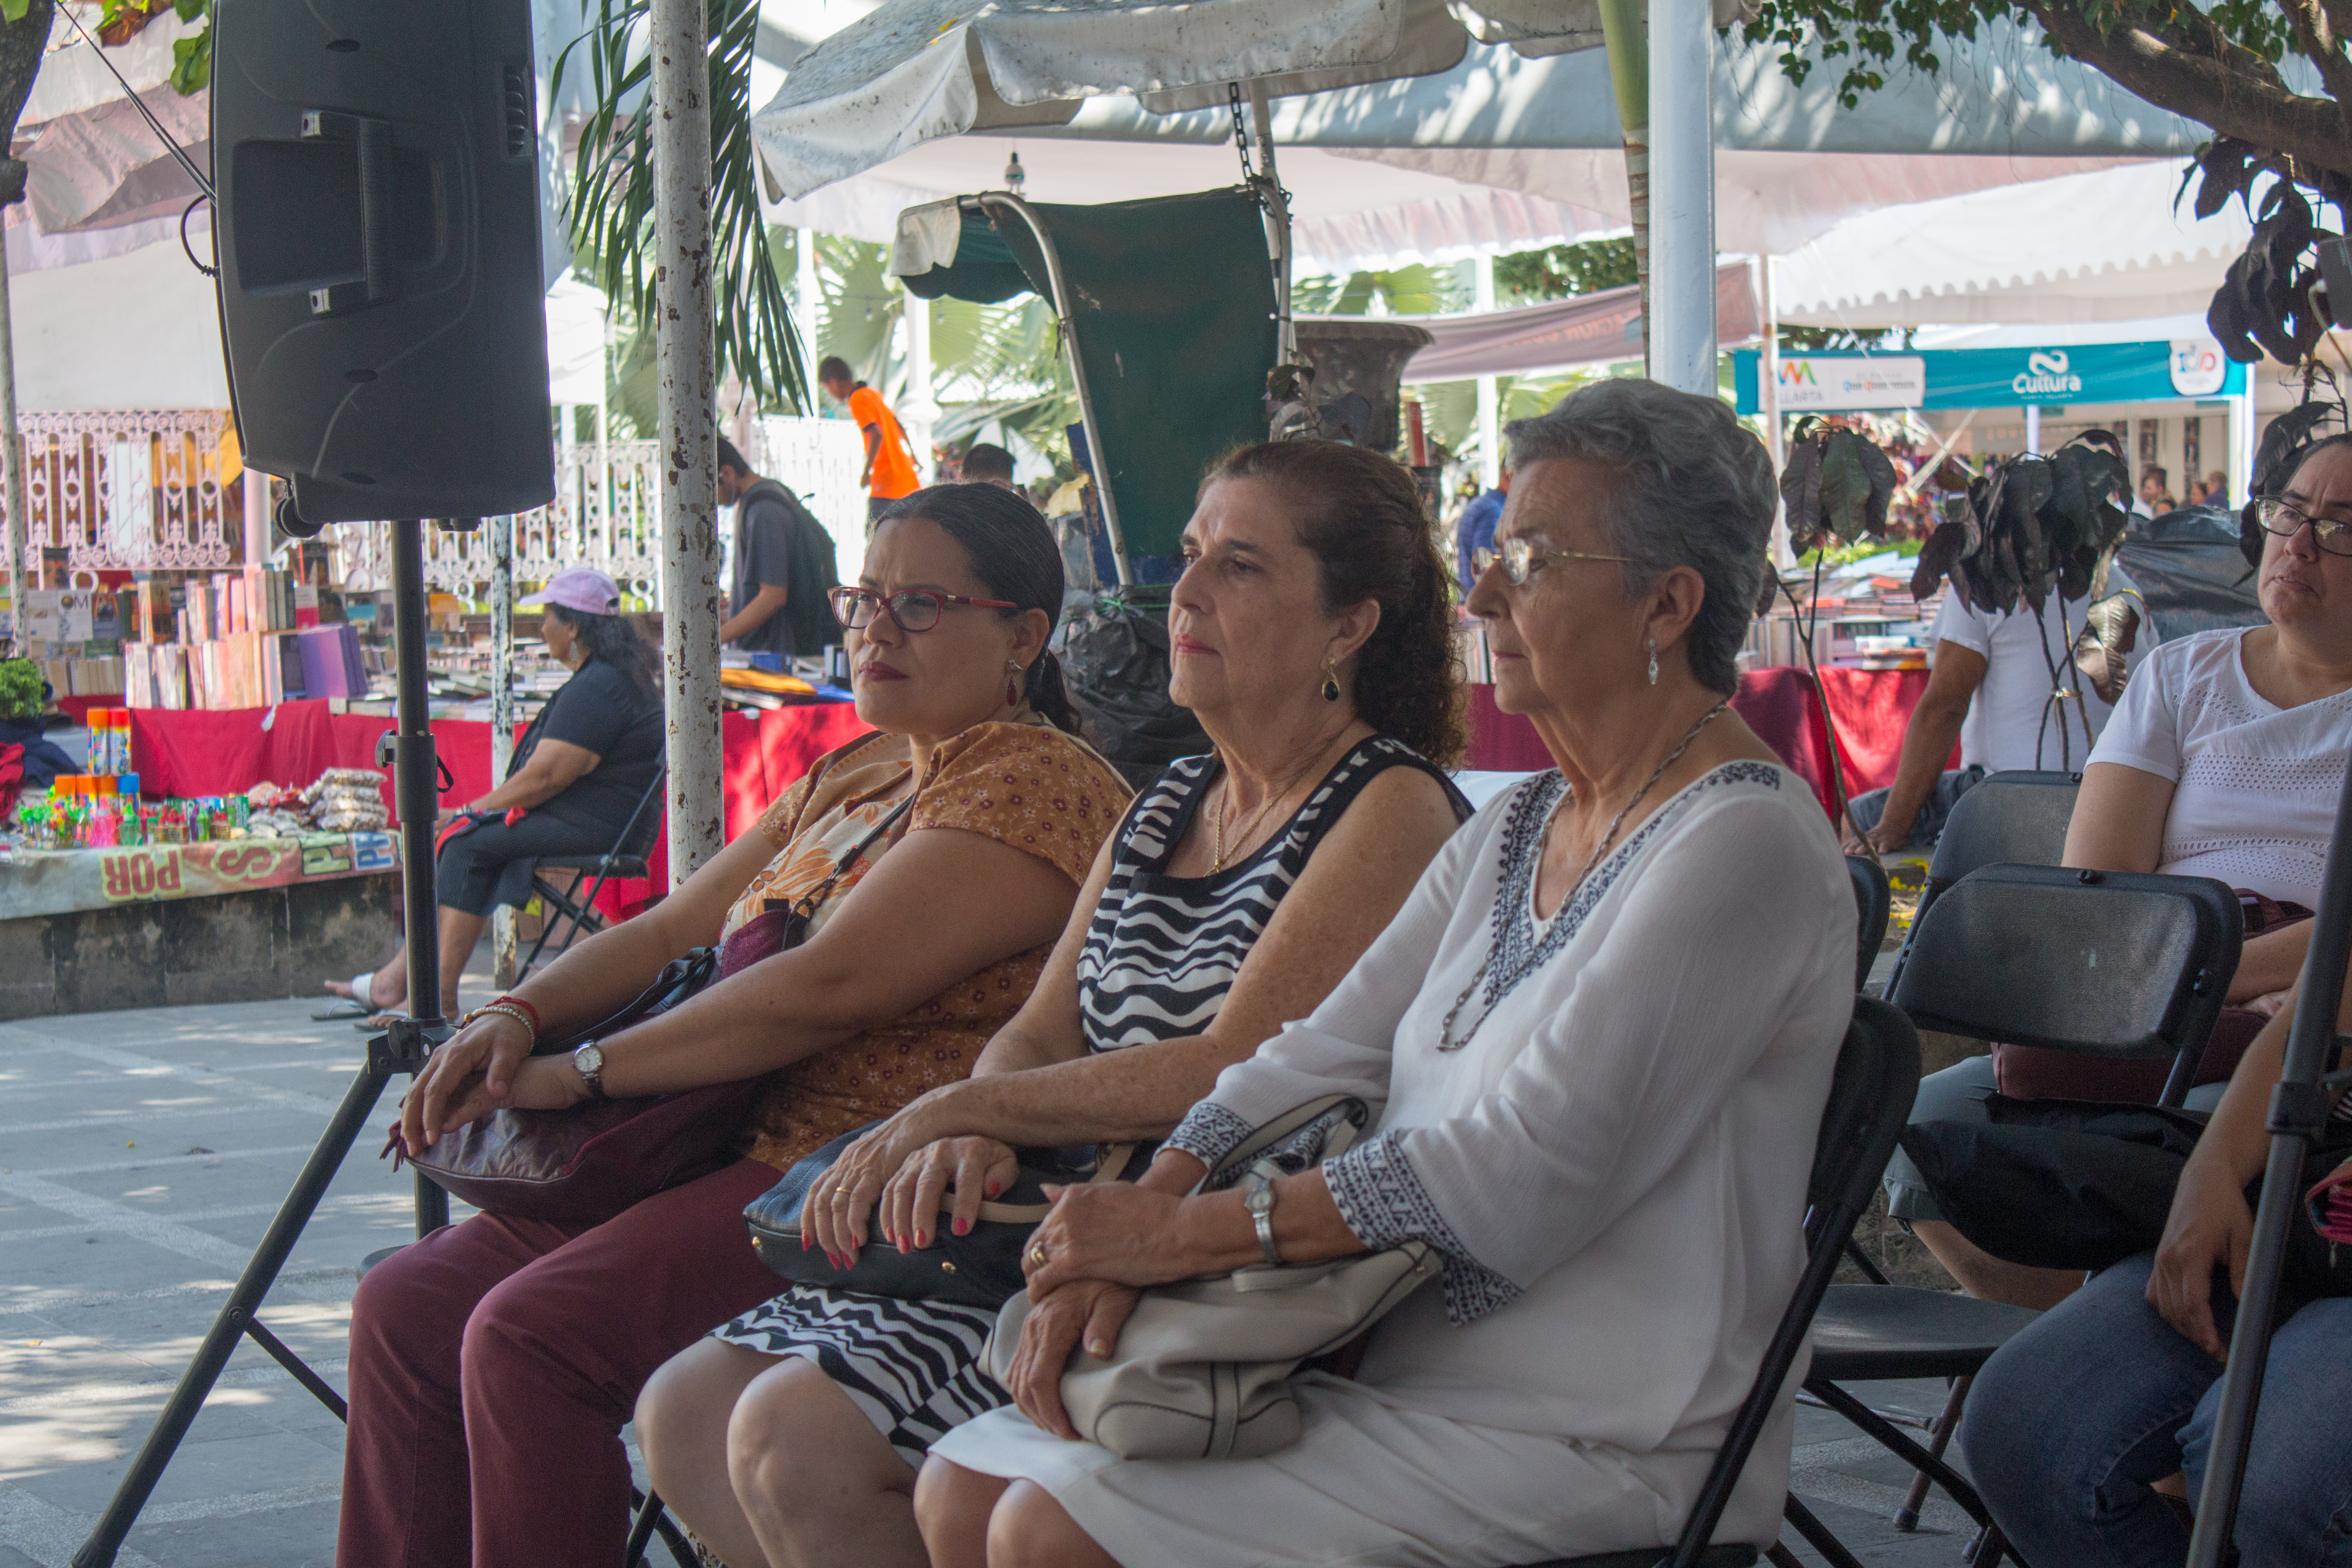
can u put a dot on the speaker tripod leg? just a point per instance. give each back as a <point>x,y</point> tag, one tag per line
<point>260,1273</point>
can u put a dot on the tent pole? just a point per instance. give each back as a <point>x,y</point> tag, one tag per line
<point>1068,323</point>
<point>1277,224</point>
<point>502,919</point>
<point>922,407</point>
<point>1628,78</point>
<point>11,466</point>
<point>1768,402</point>
<point>1490,388</point>
<point>690,434</point>
<point>1682,337</point>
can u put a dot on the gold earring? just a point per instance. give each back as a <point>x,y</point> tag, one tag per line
<point>1330,680</point>
<point>1013,686</point>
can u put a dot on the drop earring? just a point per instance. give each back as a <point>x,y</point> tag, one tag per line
<point>1330,681</point>
<point>1653,660</point>
<point>1013,686</point>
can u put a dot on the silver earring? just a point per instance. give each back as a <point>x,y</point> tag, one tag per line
<point>1653,660</point>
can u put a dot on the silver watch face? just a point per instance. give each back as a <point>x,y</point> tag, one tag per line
<point>589,1059</point>
<point>1260,1198</point>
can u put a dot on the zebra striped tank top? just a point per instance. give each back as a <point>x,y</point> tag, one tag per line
<point>1163,950</point>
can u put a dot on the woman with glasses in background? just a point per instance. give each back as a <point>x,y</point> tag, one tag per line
<point>2224,758</point>
<point>493,1362</point>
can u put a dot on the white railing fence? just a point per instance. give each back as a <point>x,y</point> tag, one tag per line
<point>125,489</point>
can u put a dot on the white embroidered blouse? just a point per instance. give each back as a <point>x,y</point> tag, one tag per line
<point>1614,1164</point>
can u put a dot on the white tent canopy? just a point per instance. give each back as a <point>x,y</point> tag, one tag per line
<point>2107,246</point>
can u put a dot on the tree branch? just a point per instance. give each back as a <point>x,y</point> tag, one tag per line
<point>2316,28</point>
<point>2213,88</point>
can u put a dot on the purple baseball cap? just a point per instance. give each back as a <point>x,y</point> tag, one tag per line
<point>581,588</point>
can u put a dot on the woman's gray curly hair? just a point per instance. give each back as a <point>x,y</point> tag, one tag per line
<point>1695,489</point>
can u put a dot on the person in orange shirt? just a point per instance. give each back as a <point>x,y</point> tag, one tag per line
<point>889,471</point>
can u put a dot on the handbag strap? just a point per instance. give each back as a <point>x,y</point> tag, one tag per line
<point>809,903</point>
<point>1245,1153</point>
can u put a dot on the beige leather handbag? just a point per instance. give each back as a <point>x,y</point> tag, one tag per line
<point>1202,1368</point>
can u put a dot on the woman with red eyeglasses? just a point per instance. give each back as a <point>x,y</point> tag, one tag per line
<point>493,1362</point>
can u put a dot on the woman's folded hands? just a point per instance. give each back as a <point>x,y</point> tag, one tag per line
<point>479,1071</point>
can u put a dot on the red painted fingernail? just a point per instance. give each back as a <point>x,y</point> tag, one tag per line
<point>994,1188</point>
<point>963,1225</point>
<point>806,1243</point>
<point>922,1238</point>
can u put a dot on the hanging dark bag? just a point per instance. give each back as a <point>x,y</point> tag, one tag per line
<point>588,1163</point>
<point>2084,1184</point>
<point>979,1269</point>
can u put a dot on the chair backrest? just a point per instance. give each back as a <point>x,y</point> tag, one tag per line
<point>2016,818</point>
<point>1870,1098</point>
<point>2123,965</point>
<point>1874,899</point>
<point>636,836</point>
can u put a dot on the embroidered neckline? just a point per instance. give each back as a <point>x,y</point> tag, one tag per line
<point>1520,948</point>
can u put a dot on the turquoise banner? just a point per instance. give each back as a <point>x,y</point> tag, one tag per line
<point>1993,378</point>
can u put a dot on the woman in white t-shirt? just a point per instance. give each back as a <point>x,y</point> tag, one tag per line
<point>2224,758</point>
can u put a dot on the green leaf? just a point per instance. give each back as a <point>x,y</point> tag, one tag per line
<point>15,10</point>
<point>192,63</point>
<point>1845,488</point>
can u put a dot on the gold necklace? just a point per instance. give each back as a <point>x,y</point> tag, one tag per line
<point>1217,861</point>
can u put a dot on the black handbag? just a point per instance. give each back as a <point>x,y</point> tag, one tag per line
<point>979,1269</point>
<point>2084,1184</point>
<point>590,1163</point>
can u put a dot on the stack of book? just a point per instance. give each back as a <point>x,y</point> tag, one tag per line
<point>245,669</point>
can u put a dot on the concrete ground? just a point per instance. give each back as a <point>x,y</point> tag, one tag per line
<point>142,1156</point>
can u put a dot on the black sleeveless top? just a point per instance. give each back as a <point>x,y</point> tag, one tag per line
<point>1163,950</point>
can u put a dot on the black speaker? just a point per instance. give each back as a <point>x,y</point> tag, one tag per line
<point>376,165</point>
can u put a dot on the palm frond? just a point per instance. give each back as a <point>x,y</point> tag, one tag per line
<point>610,204</point>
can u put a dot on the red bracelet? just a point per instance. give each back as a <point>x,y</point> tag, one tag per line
<point>513,1000</point>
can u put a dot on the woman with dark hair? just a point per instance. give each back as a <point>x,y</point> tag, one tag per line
<point>493,1362</point>
<point>1307,634</point>
<point>578,773</point>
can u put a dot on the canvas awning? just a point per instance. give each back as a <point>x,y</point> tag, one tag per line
<point>1589,330</point>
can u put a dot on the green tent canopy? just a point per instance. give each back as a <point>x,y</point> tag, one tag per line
<point>1168,307</point>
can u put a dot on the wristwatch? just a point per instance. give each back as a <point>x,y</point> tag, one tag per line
<point>1259,1201</point>
<point>589,1062</point>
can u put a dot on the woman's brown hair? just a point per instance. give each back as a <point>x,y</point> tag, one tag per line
<point>1360,514</point>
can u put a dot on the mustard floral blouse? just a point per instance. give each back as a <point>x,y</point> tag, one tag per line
<point>1028,786</point>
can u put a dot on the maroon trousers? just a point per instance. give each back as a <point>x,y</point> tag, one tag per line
<point>493,1362</point>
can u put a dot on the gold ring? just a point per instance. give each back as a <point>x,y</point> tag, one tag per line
<point>1037,1254</point>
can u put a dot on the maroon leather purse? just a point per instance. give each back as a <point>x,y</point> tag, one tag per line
<point>588,1163</point>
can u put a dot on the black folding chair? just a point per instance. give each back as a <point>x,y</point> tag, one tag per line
<point>1870,1096</point>
<point>1874,899</point>
<point>2017,818</point>
<point>624,860</point>
<point>2118,964</point>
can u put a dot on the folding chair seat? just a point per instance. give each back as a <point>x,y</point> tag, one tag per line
<point>1874,899</point>
<point>2111,964</point>
<point>2017,818</point>
<point>1870,1096</point>
<point>576,911</point>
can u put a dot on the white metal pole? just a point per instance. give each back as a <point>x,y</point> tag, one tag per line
<point>922,407</point>
<point>1682,195</point>
<point>690,434</point>
<point>1490,388</point>
<point>2241,442</point>
<point>1767,404</point>
<point>2032,430</point>
<point>808,302</point>
<point>12,464</point>
<point>502,919</point>
<point>1277,225</point>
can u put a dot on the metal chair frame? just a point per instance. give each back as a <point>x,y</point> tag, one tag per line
<point>1870,1097</point>
<point>2189,1006</point>
<point>580,914</point>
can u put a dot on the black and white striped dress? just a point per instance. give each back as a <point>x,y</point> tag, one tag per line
<point>1159,957</point>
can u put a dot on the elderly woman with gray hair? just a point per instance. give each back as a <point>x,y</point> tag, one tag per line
<point>1596,1043</point>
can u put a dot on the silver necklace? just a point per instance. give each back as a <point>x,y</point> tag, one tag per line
<point>1446,1041</point>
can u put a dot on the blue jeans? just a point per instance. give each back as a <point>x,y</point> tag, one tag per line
<point>2071,1423</point>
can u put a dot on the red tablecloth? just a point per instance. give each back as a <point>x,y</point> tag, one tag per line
<point>191,752</point>
<point>1870,708</point>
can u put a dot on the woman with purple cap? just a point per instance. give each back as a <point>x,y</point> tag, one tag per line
<point>578,773</point>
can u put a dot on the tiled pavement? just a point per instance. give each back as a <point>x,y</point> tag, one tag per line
<point>141,1154</point>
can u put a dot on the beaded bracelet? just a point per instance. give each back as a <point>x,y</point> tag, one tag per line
<point>505,1009</point>
<point>510,999</point>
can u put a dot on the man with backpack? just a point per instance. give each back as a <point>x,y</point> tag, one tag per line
<point>784,566</point>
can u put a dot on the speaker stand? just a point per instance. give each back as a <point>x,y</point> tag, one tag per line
<point>403,1048</point>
